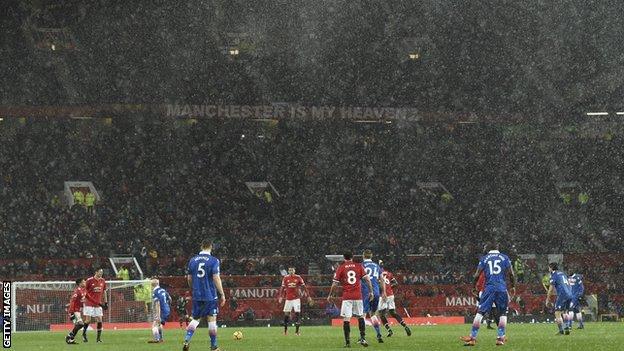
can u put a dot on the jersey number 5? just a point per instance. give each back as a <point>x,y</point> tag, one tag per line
<point>495,267</point>
<point>200,270</point>
<point>351,279</point>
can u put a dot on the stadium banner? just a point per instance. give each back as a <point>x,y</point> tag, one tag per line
<point>433,320</point>
<point>254,293</point>
<point>254,112</point>
<point>291,111</point>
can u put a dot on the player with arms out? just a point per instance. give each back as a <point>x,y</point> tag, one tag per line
<point>559,283</point>
<point>349,274</point>
<point>161,302</point>
<point>387,305</point>
<point>578,289</point>
<point>95,301</point>
<point>496,265</point>
<point>293,287</point>
<point>373,271</point>
<point>75,304</point>
<point>205,280</point>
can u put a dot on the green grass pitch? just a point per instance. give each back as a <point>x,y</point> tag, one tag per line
<point>595,336</point>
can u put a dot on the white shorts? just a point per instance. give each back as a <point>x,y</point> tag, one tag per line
<point>92,311</point>
<point>388,304</point>
<point>290,305</point>
<point>352,308</point>
<point>76,318</point>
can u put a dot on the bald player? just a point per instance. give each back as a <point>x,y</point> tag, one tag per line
<point>161,310</point>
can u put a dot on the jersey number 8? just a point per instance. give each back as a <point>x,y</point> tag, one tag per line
<point>351,279</point>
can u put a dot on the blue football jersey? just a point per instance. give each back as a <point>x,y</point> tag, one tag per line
<point>373,270</point>
<point>559,280</point>
<point>576,285</point>
<point>495,265</point>
<point>162,296</point>
<point>201,268</point>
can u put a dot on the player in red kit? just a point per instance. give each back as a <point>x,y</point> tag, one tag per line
<point>387,305</point>
<point>95,302</point>
<point>291,286</point>
<point>75,305</point>
<point>349,274</point>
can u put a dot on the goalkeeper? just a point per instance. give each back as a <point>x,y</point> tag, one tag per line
<point>183,316</point>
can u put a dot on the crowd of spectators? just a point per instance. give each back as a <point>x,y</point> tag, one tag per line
<point>167,184</point>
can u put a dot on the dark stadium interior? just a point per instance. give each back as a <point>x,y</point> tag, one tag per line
<point>481,56</point>
<point>499,147</point>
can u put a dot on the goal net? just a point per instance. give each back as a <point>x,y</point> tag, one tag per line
<point>43,305</point>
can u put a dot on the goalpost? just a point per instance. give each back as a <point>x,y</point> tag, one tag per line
<point>118,261</point>
<point>43,305</point>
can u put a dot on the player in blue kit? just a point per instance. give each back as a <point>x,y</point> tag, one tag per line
<point>496,266</point>
<point>204,279</point>
<point>578,289</point>
<point>373,270</point>
<point>559,284</point>
<point>161,310</point>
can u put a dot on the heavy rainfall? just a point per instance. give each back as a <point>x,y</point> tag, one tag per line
<point>287,131</point>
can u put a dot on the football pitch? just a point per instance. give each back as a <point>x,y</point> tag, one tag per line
<point>595,336</point>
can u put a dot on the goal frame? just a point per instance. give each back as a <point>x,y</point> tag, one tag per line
<point>111,285</point>
<point>115,260</point>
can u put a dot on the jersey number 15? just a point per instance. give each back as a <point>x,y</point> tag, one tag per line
<point>495,267</point>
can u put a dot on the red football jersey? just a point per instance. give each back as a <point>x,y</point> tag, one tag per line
<point>291,284</point>
<point>349,274</point>
<point>387,277</point>
<point>94,290</point>
<point>75,303</point>
<point>481,282</point>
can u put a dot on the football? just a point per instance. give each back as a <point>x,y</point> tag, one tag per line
<point>238,335</point>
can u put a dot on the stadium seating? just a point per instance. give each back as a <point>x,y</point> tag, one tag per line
<point>166,184</point>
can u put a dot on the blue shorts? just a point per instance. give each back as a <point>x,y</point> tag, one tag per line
<point>563,303</point>
<point>370,306</point>
<point>491,297</point>
<point>164,315</point>
<point>205,308</point>
<point>575,305</point>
